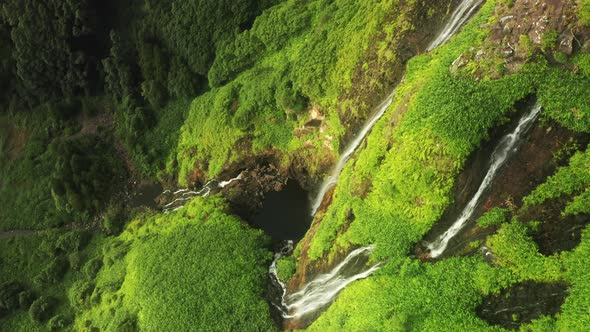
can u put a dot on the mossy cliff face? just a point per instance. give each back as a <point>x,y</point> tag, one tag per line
<point>303,126</point>
<point>273,94</point>
<point>403,180</point>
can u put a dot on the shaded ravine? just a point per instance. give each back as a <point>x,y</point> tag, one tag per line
<point>522,303</point>
<point>504,150</point>
<point>309,302</point>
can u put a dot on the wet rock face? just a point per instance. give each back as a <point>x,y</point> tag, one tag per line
<point>522,303</point>
<point>246,196</point>
<point>557,232</point>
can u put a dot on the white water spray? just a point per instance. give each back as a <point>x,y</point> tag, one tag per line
<point>181,196</point>
<point>503,150</point>
<point>322,290</point>
<point>224,184</point>
<point>459,17</point>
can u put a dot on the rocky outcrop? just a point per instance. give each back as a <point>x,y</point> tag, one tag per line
<point>521,30</point>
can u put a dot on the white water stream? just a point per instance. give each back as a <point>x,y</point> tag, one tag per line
<point>332,180</point>
<point>459,17</point>
<point>505,148</point>
<point>323,289</point>
<point>181,196</point>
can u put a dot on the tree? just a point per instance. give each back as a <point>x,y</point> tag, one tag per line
<point>9,292</point>
<point>41,308</point>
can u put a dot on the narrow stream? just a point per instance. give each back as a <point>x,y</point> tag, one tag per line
<point>459,17</point>
<point>319,293</point>
<point>332,180</point>
<point>178,198</point>
<point>309,302</point>
<point>504,150</point>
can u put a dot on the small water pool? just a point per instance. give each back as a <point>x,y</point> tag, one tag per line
<point>284,214</point>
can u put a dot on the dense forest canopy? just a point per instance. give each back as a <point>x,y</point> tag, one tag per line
<point>103,103</point>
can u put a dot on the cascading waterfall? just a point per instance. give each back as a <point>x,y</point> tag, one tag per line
<point>323,289</point>
<point>352,146</point>
<point>320,292</point>
<point>505,148</point>
<point>459,17</point>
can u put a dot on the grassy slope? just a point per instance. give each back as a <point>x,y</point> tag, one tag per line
<point>409,168</point>
<point>182,271</point>
<point>311,56</point>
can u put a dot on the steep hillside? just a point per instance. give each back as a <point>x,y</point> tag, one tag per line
<point>141,141</point>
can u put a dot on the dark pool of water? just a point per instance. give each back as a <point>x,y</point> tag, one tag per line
<point>285,215</point>
<point>145,194</point>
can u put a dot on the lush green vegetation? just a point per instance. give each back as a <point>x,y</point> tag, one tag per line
<point>569,180</point>
<point>584,12</point>
<point>180,90</point>
<point>400,184</point>
<point>286,268</point>
<point>185,269</point>
<point>493,217</point>
<point>38,270</point>
<point>310,58</point>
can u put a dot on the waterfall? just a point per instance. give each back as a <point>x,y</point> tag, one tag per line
<point>331,180</point>
<point>505,148</point>
<point>459,17</point>
<point>181,196</point>
<point>320,292</point>
<point>457,20</point>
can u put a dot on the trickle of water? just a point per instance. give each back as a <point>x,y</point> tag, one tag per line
<point>457,20</point>
<point>352,146</point>
<point>505,148</point>
<point>181,196</point>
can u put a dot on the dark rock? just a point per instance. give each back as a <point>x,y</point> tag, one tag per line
<point>566,43</point>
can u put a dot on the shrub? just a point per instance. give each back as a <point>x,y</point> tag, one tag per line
<point>112,222</point>
<point>584,12</point>
<point>286,268</point>
<point>42,308</point>
<point>53,273</point>
<point>25,298</point>
<point>493,217</point>
<point>9,297</point>
<point>58,323</point>
<point>92,267</point>
<point>75,261</point>
<point>80,292</point>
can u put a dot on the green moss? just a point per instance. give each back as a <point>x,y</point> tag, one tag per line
<point>566,181</point>
<point>192,267</point>
<point>493,217</point>
<point>514,249</point>
<point>583,12</point>
<point>286,268</point>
